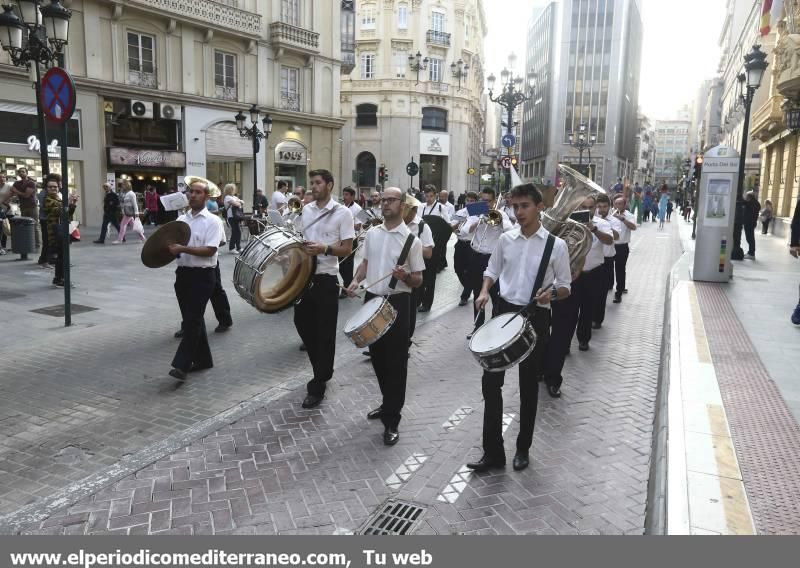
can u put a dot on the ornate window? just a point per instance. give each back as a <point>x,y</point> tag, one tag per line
<point>367,115</point>
<point>290,88</point>
<point>402,16</point>
<point>141,59</point>
<point>290,12</point>
<point>434,119</point>
<point>368,17</point>
<point>367,65</point>
<point>225,75</point>
<point>435,70</point>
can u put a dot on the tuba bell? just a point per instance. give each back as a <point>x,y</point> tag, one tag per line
<point>575,187</point>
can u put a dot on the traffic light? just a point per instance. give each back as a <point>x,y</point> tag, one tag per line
<point>381,174</point>
<point>385,174</point>
<point>698,166</point>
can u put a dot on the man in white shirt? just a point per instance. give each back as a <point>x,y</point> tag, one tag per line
<point>623,222</point>
<point>515,263</point>
<point>279,198</point>
<point>346,266</point>
<point>505,199</point>
<point>420,229</point>
<point>195,279</point>
<point>444,196</point>
<point>483,240</point>
<point>383,249</point>
<point>609,252</point>
<point>433,207</point>
<point>462,251</point>
<point>327,228</point>
<point>374,210</point>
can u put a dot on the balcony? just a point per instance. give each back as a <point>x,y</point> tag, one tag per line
<point>224,14</point>
<point>438,88</point>
<point>438,38</point>
<point>143,79</point>
<point>226,93</point>
<point>768,119</point>
<point>348,57</point>
<point>286,37</point>
<point>290,101</point>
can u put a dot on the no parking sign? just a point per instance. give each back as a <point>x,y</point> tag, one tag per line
<point>58,95</point>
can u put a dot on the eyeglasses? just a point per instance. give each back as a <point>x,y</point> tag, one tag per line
<point>390,199</point>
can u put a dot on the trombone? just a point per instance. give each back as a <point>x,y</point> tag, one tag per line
<point>491,220</point>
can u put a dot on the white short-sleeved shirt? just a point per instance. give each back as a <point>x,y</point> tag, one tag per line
<point>621,228</point>
<point>206,231</point>
<point>596,255</point>
<point>427,235</point>
<point>436,209</point>
<point>451,209</point>
<point>382,248</point>
<point>279,200</point>
<point>336,227</point>
<point>375,211</point>
<point>515,264</point>
<point>485,242</point>
<point>461,215</point>
<point>609,251</point>
<point>354,209</point>
<point>508,210</point>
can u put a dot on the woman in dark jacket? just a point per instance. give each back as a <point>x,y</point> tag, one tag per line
<point>55,233</point>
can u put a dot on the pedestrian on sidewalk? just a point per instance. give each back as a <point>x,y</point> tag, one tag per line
<point>647,203</point>
<point>234,214</point>
<point>636,202</point>
<point>130,212</point>
<point>526,262</point>
<point>670,206</point>
<point>110,212</point>
<point>44,256</point>
<point>765,216</point>
<point>663,200</point>
<point>383,249</point>
<point>56,230</point>
<point>5,212</point>
<point>195,279</point>
<point>150,205</point>
<point>749,222</point>
<point>623,222</point>
<point>24,189</point>
<point>795,252</point>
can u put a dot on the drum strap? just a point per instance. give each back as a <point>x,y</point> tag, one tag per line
<point>402,260</point>
<point>548,249</point>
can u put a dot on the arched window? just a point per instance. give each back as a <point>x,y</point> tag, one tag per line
<point>366,165</point>
<point>434,119</point>
<point>367,115</point>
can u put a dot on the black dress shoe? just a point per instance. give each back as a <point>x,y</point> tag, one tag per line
<point>366,353</point>
<point>486,463</point>
<point>178,374</point>
<point>462,302</point>
<point>521,461</point>
<point>99,242</point>
<point>374,414</point>
<point>596,325</point>
<point>302,347</point>
<point>423,309</point>
<point>178,334</point>
<point>583,346</point>
<point>625,291</point>
<point>195,368</point>
<point>222,328</point>
<point>554,391</point>
<point>312,401</point>
<point>391,436</point>
<point>617,298</point>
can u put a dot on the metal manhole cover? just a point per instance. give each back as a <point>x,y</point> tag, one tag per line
<point>393,517</point>
<point>58,311</point>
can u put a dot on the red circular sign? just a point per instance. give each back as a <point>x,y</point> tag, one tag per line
<point>58,95</point>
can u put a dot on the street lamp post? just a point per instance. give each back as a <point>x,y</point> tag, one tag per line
<point>582,144</point>
<point>512,95</point>
<point>755,63</point>
<point>255,135</point>
<point>417,63</point>
<point>459,70</point>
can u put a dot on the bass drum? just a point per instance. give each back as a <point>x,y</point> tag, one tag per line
<point>498,348</point>
<point>273,271</point>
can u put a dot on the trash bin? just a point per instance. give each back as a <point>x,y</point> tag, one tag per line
<point>22,236</point>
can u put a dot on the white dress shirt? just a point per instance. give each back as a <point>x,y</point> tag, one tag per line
<point>461,215</point>
<point>485,242</point>
<point>354,209</point>
<point>206,231</point>
<point>336,227</point>
<point>509,210</point>
<point>515,264</point>
<point>609,251</point>
<point>382,248</point>
<point>376,211</point>
<point>427,235</point>
<point>451,209</point>
<point>596,255</point>
<point>279,200</point>
<point>436,209</point>
<point>621,228</point>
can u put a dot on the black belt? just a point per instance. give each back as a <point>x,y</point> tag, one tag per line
<point>323,276</point>
<point>196,267</point>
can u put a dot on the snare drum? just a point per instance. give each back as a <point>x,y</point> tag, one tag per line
<point>273,271</point>
<point>498,348</point>
<point>370,322</point>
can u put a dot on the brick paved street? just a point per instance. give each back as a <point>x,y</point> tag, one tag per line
<point>279,469</point>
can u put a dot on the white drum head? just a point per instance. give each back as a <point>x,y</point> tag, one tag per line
<point>493,335</point>
<point>363,314</point>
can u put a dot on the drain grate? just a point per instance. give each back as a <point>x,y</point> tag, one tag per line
<point>58,311</point>
<point>394,517</point>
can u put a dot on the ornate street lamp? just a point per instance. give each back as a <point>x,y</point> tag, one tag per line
<point>512,95</point>
<point>417,63</point>
<point>755,63</point>
<point>459,70</point>
<point>582,143</point>
<point>256,135</point>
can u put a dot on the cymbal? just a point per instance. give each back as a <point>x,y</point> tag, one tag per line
<point>155,252</point>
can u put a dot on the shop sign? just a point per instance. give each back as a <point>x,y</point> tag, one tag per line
<point>53,149</point>
<point>290,152</point>
<point>136,157</point>
<point>433,143</point>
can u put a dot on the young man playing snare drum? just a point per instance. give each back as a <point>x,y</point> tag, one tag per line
<point>515,264</point>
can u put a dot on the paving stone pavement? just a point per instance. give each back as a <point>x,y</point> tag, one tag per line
<point>284,470</point>
<point>75,401</point>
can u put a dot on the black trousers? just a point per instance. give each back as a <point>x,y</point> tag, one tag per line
<point>44,256</point>
<point>428,288</point>
<point>57,253</point>
<point>461,255</point>
<point>477,265</point>
<point>529,372</point>
<point>315,319</point>
<point>389,356</point>
<point>592,291</point>
<point>108,218</point>
<point>193,288</point>
<point>416,296</point>
<point>602,295</point>
<point>220,303</point>
<point>564,322</point>
<point>620,265</point>
<point>346,270</point>
<point>236,234</point>
<point>750,235</point>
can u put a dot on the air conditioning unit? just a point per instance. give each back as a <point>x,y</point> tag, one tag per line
<point>169,111</point>
<point>141,109</point>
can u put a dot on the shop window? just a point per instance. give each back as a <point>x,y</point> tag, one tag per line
<point>367,115</point>
<point>225,75</point>
<point>290,12</point>
<point>290,88</point>
<point>141,60</point>
<point>434,119</point>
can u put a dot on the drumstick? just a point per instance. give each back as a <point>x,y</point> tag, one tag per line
<point>368,286</point>
<point>525,308</point>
